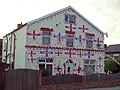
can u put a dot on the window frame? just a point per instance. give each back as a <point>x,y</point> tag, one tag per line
<point>68,18</point>
<point>68,40</point>
<point>46,34</point>
<point>89,40</point>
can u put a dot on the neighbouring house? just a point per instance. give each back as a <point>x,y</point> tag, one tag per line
<point>113,51</point>
<point>63,42</point>
<point>3,67</point>
<point>0,50</point>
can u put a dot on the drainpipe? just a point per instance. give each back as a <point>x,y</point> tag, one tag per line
<point>14,49</point>
<point>10,53</point>
<point>6,56</point>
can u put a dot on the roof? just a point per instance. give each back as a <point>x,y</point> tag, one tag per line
<point>16,29</point>
<point>61,10</point>
<point>113,48</point>
<point>48,15</point>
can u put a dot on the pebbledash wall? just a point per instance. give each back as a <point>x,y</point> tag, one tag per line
<point>64,42</point>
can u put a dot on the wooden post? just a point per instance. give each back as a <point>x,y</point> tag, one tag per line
<point>40,78</point>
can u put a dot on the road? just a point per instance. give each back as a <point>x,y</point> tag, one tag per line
<point>109,88</point>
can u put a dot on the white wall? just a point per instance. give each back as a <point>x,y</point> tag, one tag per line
<point>20,48</point>
<point>59,19</point>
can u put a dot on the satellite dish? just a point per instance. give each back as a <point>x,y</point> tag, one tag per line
<point>98,45</point>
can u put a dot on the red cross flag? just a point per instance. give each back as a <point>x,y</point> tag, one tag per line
<point>59,37</point>
<point>70,53</point>
<point>33,34</point>
<point>106,34</point>
<point>80,38</point>
<point>80,54</point>
<point>58,52</point>
<point>58,69</point>
<point>98,40</point>
<point>70,28</point>
<point>46,52</point>
<point>31,55</point>
<point>99,66</point>
<point>100,58</point>
<point>89,54</point>
<point>83,28</point>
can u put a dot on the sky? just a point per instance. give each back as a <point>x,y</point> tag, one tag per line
<point>105,14</point>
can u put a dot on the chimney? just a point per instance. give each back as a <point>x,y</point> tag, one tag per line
<point>19,25</point>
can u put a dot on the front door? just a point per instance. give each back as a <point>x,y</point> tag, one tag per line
<point>69,67</point>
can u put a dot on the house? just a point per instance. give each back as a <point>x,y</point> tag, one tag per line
<point>3,67</point>
<point>113,51</point>
<point>0,50</point>
<point>63,42</point>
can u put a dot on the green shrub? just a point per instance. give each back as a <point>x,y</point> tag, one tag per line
<point>45,72</point>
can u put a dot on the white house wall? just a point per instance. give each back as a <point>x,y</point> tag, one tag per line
<point>57,22</point>
<point>20,48</point>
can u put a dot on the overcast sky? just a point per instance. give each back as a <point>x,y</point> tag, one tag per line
<point>105,14</point>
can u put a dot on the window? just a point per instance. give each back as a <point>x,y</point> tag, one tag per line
<point>89,61</point>
<point>89,40</point>
<point>89,69</point>
<point>116,56</point>
<point>89,43</point>
<point>5,44</point>
<point>69,40</point>
<point>46,64</point>
<point>46,37</point>
<point>89,66</point>
<point>70,18</point>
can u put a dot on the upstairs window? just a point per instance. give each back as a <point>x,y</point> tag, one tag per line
<point>116,56</point>
<point>5,44</point>
<point>46,38</point>
<point>89,40</point>
<point>69,40</point>
<point>70,18</point>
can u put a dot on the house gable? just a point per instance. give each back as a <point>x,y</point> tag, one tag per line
<point>64,10</point>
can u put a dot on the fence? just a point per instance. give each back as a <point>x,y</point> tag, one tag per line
<point>22,79</point>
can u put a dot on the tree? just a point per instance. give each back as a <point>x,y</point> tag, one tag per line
<point>112,66</point>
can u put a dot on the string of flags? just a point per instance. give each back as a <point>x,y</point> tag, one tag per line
<point>50,52</point>
<point>60,37</point>
<point>106,34</point>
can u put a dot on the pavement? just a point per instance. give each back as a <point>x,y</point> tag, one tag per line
<point>107,88</point>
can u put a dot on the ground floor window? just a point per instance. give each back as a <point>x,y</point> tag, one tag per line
<point>89,69</point>
<point>89,66</point>
<point>46,64</point>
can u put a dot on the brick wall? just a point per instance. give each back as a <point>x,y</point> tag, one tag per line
<point>25,79</point>
<point>88,81</point>
<point>79,86</point>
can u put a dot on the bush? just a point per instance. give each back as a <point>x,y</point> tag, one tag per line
<point>112,66</point>
<point>45,72</point>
